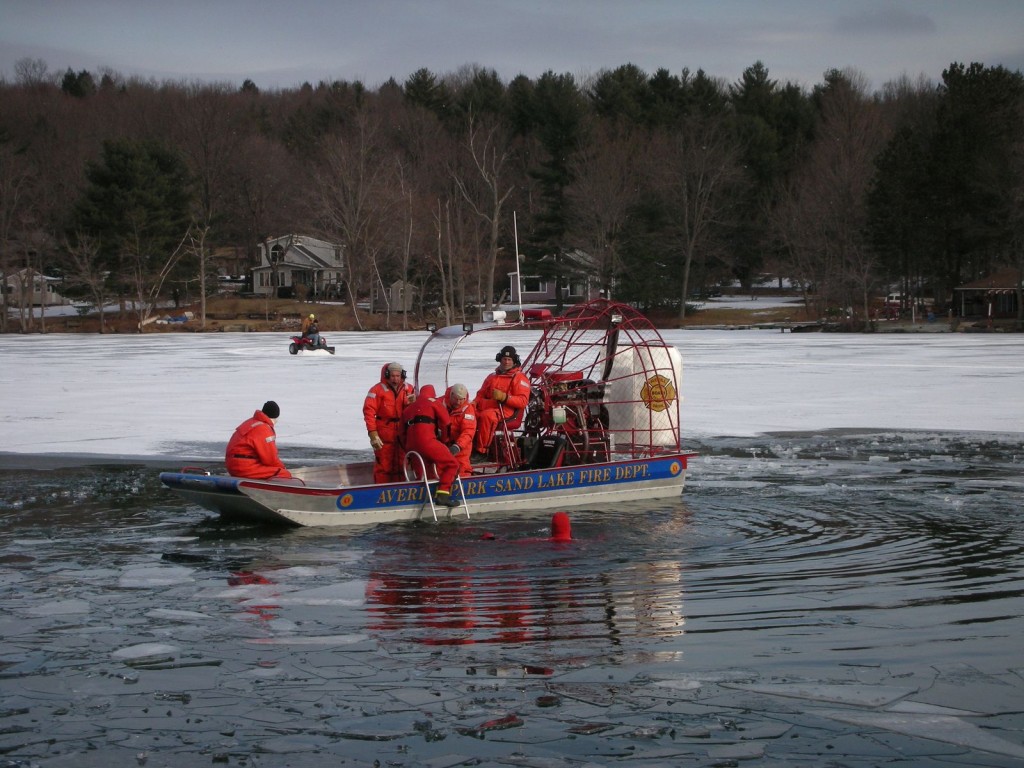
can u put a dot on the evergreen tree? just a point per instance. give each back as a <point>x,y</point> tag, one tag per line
<point>768,122</point>
<point>901,223</point>
<point>622,94</point>
<point>521,111</point>
<point>80,85</point>
<point>560,112</point>
<point>649,278</point>
<point>136,208</point>
<point>665,99</point>
<point>423,89</point>
<point>978,122</point>
<point>483,95</point>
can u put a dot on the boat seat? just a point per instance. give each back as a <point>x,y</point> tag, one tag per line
<point>504,448</point>
<point>513,422</point>
<point>546,453</point>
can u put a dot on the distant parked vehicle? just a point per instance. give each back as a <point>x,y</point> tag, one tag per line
<point>892,306</point>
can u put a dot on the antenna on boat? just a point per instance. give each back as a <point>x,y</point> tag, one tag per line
<point>519,280</point>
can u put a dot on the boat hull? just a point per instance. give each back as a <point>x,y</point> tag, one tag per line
<point>313,502</point>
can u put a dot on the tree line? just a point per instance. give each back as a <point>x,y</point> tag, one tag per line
<point>670,184</point>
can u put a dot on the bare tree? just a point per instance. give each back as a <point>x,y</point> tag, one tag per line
<point>356,201</point>
<point>442,225</point>
<point>606,185</point>
<point>261,192</point>
<point>798,224</point>
<point>822,221</point>
<point>39,251</point>
<point>416,246</point>
<point>489,149</point>
<point>148,271</point>
<point>48,136</point>
<point>16,179</point>
<point>209,137</point>
<point>451,251</point>
<point>33,73</point>
<point>696,167</point>
<point>408,232</point>
<point>86,272</point>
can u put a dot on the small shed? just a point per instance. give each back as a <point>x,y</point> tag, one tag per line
<point>396,297</point>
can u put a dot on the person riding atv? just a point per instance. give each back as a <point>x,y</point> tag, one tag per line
<point>311,330</point>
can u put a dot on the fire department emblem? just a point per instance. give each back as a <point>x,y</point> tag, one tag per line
<point>658,393</point>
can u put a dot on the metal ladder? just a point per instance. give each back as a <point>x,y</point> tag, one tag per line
<point>427,481</point>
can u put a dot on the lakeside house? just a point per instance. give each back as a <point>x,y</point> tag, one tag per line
<point>995,296</point>
<point>299,266</point>
<point>29,287</point>
<point>580,281</point>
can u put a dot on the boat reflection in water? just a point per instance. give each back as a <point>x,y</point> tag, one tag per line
<point>522,590</point>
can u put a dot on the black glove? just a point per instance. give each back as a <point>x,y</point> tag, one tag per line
<point>454,448</point>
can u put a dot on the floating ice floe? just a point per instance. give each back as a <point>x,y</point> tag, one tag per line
<point>859,695</point>
<point>949,730</point>
<point>921,708</point>
<point>309,640</point>
<point>173,615</point>
<point>349,593</point>
<point>60,608</point>
<point>679,685</point>
<point>146,652</point>
<point>156,576</point>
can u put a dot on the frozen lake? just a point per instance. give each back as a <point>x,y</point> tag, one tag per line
<point>840,583</point>
<point>182,394</point>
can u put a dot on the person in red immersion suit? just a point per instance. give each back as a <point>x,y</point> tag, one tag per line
<point>422,422</point>
<point>561,529</point>
<point>382,411</point>
<point>252,449</point>
<point>504,394</point>
<point>463,415</point>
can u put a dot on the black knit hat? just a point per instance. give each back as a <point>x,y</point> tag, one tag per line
<point>271,409</point>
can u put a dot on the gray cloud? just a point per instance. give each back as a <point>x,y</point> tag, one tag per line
<point>887,21</point>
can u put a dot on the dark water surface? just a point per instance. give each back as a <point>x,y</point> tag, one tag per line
<point>826,600</point>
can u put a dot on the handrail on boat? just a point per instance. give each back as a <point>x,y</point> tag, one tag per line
<point>423,474</point>
<point>426,483</point>
<point>462,495</point>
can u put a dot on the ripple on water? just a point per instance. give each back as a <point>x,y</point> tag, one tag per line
<point>808,562</point>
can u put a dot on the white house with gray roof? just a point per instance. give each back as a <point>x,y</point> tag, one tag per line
<point>293,265</point>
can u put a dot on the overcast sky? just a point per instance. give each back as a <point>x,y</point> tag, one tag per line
<point>282,44</point>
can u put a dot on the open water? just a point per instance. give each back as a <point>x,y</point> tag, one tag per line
<point>846,599</point>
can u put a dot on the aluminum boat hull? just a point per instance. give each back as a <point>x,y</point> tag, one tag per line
<point>326,497</point>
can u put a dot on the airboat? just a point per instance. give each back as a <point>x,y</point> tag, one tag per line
<point>601,428</point>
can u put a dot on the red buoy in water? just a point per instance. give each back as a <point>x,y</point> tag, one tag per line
<point>560,528</point>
